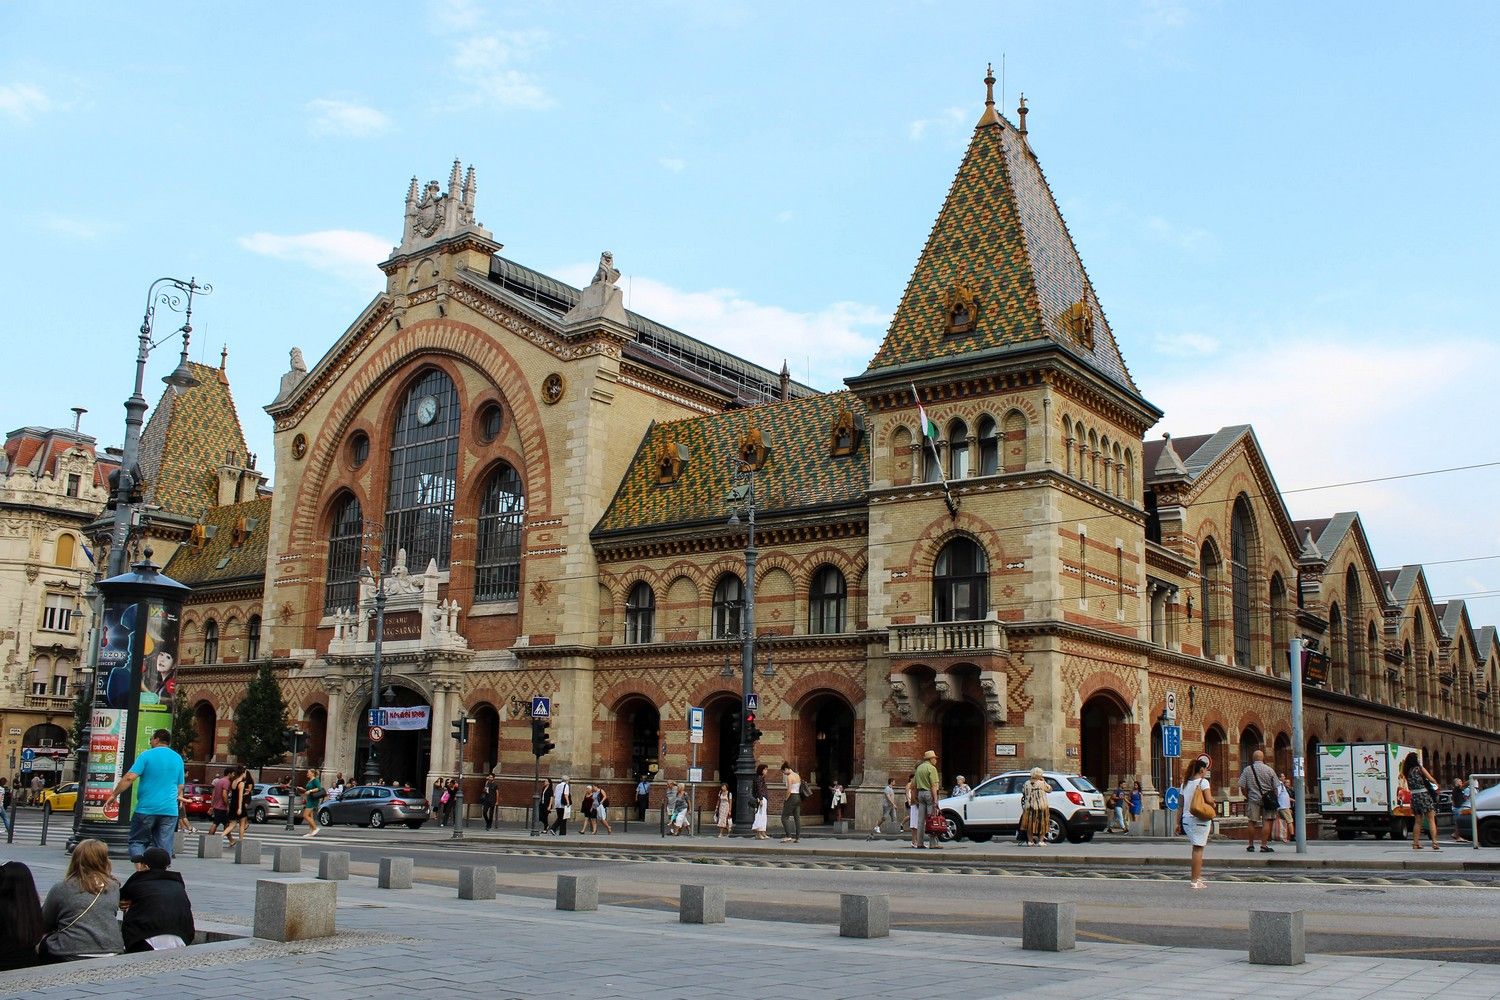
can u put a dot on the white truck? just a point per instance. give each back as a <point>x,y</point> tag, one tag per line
<point>1361,788</point>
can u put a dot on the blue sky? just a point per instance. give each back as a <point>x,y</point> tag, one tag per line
<point>1287,210</point>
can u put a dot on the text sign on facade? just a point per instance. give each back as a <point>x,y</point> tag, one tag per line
<point>541,708</point>
<point>1005,749</point>
<point>413,717</point>
<point>695,775</point>
<point>695,725</point>
<point>399,625</point>
<point>1171,741</point>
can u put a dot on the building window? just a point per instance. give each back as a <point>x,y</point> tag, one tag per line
<point>989,447</point>
<point>359,449</point>
<point>41,675</point>
<point>1208,569</point>
<point>252,638</point>
<point>60,679</point>
<point>828,603</point>
<point>345,541</point>
<point>66,547</point>
<point>57,614</point>
<point>640,613</point>
<point>75,481</point>
<point>210,641</point>
<point>729,606</point>
<point>958,450</point>
<point>960,582</point>
<point>1239,578</point>
<point>491,418</point>
<point>424,467</point>
<point>497,570</point>
<point>1280,628</point>
<point>1356,656</point>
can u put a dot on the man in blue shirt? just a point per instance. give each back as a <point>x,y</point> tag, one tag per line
<point>161,775</point>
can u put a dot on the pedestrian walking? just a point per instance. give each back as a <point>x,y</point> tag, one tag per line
<point>38,784</point>
<point>1456,800</point>
<point>1036,817</point>
<point>1135,807</point>
<point>1258,784</point>
<point>20,915</point>
<point>927,783</point>
<point>601,810</point>
<point>238,799</point>
<point>159,772</point>
<point>681,819</point>
<point>487,797</point>
<point>6,798</point>
<point>218,805</point>
<point>911,807</point>
<point>1116,806</point>
<point>562,804</point>
<point>791,807</point>
<point>1198,810</point>
<point>887,810</point>
<point>158,913</point>
<point>1423,799</point>
<point>544,806</point>
<point>837,799</point>
<point>762,793</point>
<point>314,795</point>
<point>451,805</point>
<point>642,797</point>
<point>78,915</point>
<point>1284,821</point>
<point>440,799</point>
<point>586,810</point>
<point>723,809</point>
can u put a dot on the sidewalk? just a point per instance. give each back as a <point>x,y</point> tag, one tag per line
<point>426,942</point>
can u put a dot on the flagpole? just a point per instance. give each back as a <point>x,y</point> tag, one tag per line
<point>932,443</point>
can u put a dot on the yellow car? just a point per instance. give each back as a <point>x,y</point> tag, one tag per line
<point>60,798</point>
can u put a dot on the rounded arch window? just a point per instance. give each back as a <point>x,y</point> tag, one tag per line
<point>491,421</point>
<point>210,641</point>
<point>423,474</point>
<point>359,449</point>
<point>828,603</point>
<point>989,446</point>
<point>345,545</point>
<point>729,606</point>
<point>640,613</point>
<point>502,510</point>
<point>958,450</point>
<point>960,582</point>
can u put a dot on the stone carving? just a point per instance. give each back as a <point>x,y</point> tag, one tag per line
<point>601,300</point>
<point>433,214</point>
<point>943,687</point>
<point>607,273</point>
<point>298,364</point>
<point>992,687</point>
<point>901,699</point>
<point>399,580</point>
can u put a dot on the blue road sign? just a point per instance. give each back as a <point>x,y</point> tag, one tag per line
<point>1173,798</point>
<point>1171,741</point>
<point>28,755</point>
<point>695,720</point>
<point>752,702</point>
<point>377,716</point>
<point>541,708</point>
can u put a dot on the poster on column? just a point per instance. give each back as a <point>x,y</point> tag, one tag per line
<point>106,764</point>
<point>158,673</point>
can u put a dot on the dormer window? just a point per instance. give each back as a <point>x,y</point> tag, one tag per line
<point>1079,321</point>
<point>671,459</point>
<point>962,309</point>
<point>753,450</point>
<point>848,431</point>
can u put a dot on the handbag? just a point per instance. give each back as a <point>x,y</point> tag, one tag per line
<point>1201,808</point>
<point>937,824</point>
<point>567,812</point>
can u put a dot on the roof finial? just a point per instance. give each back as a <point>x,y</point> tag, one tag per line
<point>223,357</point>
<point>1021,114</point>
<point>989,117</point>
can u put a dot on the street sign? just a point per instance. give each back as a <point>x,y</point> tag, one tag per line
<point>1171,741</point>
<point>695,775</point>
<point>376,734</point>
<point>1171,712</point>
<point>752,702</point>
<point>541,708</point>
<point>695,725</point>
<point>28,755</point>
<point>1173,798</point>
<point>377,717</point>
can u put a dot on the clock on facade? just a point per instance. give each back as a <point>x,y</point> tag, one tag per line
<point>426,409</point>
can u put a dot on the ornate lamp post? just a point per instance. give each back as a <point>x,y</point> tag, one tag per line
<point>372,763</point>
<point>744,764</point>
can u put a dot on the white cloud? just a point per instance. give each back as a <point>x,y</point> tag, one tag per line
<point>675,164</point>
<point>822,346</point>
<point>785,215</point>
<point>454,15</point>
<point>1180,236</point>
<point>485,66</point>
<point>1185,344</point>
<point>343,118</point>
<point>942,124</point>
<point>345,253</point>
<point>74,228</point>
<point>22,102</point>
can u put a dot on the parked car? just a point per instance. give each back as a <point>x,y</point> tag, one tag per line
<point>198,799</point>
<point>268,802</point>
<point>994,806</point>
<point>1487,806</point>
<point>376,806</point>
<point>60,798</point>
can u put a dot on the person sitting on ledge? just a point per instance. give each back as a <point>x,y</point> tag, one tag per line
<point>158,913</point>
<point>78,915</point>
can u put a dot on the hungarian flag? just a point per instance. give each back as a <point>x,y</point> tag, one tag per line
<point>929,429</point>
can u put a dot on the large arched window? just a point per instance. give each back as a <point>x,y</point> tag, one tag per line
<point>345,540</point>
<point>497,565</point>
<point>960,582</point>
<point>1240,535</point>
<point>640,613</point>
<point>1280,627</point>
<point>210,641</point>
<point>958,450</point>
<point>252,638</point>
<point>1353,645</point>
<point>424,467</point>
<point>1208,574</point>
<point>989,447</point>
<point>827,604</point>
<point>729,606</point>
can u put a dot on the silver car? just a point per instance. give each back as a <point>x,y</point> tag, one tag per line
<point>376,806</point>
<point>268,802</point>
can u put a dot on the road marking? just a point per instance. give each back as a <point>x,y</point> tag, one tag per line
<point>1418,951</point>
<point>1098,936</point>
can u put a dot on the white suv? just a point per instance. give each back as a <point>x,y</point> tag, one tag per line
<point>994,806</point>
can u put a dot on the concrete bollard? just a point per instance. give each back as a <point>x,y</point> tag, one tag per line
<point>333,866</point>
<point>579,893</point>
<point>395,873</point>
<point>1048,926</point>
<point>179,843</point>
<point>247,851</point>
<point>864,916</point>
<point>294,909</point>
<point>288,858</point>
<point>476,882</point>
<point>700,904</point>
<point>1277,937</point>
<point>210,846</point>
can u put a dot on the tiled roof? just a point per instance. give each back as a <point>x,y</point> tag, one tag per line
<point>37,449</point>
<point>200,565</point>
<point>1000,235</point>
<point>1406,579</point>
<point>1452,615</point>
<point>1484,641</point>
<point>1327,532</point>
<point>800,473</point>
<point>190,434</point>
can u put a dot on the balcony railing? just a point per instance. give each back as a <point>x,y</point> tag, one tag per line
<point>947,638</point>
<point>47,701</point>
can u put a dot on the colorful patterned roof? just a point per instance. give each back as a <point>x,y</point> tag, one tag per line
<point>1000,236</point>
<point>242,552</point>
<point>190,434</point>
<point>800,473</point>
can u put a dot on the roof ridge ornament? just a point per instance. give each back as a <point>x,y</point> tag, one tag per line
<point>990,115</point>
<point>1021,114</point>
<point>433,215</point>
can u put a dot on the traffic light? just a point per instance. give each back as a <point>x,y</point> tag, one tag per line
<point>751,729</point>
<point>541,746</point>
<point>294,738</point>
<point>461,730</point>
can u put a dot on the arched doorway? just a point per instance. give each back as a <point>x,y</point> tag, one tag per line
<point>722,738</point>
<point>1104,754</point>
<point>316,727</point>
<point>205,724</point>
<point>1251,740</point>
<point>45,736</point>
<point>402,755</point>
<point>1218,755</point>
<point>962,749</point>
<point>1163,768</point>
<point>484,738</point>
<point>639,736</point>
<point>1283,754</point>
<point>832,739</point>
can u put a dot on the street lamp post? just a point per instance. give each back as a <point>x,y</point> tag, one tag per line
<point>372,764</point>
<point>744,764</point>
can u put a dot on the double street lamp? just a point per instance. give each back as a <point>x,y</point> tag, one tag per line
<point>744,765</point>
<point>372,762</point>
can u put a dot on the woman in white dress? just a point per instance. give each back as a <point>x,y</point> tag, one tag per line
<point>1197,827</point>
<point>762,794</point>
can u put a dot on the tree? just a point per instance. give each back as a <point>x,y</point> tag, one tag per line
<point>83,704</point>
<point>185,727</point>
<point>260,722</point>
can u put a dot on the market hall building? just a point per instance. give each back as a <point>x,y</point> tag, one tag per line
<point>1020,580</point>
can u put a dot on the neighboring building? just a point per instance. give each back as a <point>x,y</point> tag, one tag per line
<point>1020,579</point>
<point>52,484</point>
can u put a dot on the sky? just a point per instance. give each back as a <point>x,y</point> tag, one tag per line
<point>1287,210</point>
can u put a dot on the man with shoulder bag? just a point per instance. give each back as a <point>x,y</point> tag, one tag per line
<point>1258,783</point>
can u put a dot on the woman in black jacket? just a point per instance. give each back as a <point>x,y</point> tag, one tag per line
<point>156,905</point>
<point>20,917</point>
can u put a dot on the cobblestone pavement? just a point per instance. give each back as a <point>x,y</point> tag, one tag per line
<point>425,941</point>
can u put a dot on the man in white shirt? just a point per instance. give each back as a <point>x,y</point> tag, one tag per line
<point>562,801</point>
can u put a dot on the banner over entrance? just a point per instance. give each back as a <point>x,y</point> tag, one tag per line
<point>414,717</point>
